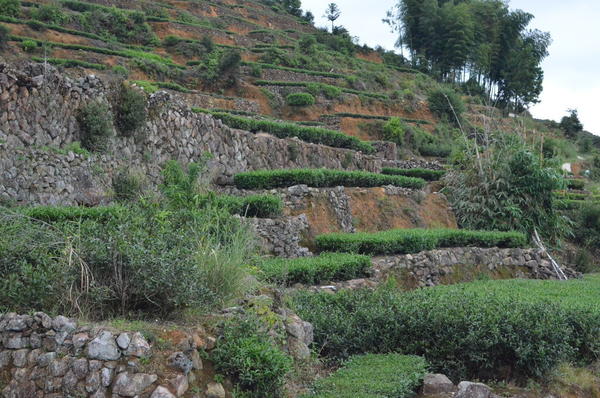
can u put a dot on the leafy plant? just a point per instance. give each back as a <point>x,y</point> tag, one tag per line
<point>270,179</point>
<point>29,46</point>
<point>95,122</point>
<point>428,175</point>
<point>300,99</point>
<point>10,8</point>
<point>130,110</point>
<point>446,104</point>
<point>128,185</point>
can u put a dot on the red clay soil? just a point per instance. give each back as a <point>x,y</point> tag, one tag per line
<point>372,57</point>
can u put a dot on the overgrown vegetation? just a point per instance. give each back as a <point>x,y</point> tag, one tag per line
<point>270,179</point>
<point>300,99</point>
<point>130,112</point>
<point>405,241</point>
<point>96,126</point>
<point>426,174</point>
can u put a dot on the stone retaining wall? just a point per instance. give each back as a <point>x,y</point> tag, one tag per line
<point>38,121</point>
<point>445,266</point>
<point>282,237</point>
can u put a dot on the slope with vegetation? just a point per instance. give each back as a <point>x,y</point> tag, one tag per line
<point>182,252</point>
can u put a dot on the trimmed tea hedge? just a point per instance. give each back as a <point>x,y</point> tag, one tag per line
<point>315,270</point>
<point>479,328</point>
<point>406,241</point>
<point>314,135</point>
<point>426,174</point>
<point>575,184</point>
<point>269,179</point>
<point>300,99</point>
<point>260,206</point>
<point>374,376</point>
<point>71,213</point>
<point>70,63</point>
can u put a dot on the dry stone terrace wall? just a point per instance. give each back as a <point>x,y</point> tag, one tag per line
<point>38,109</point>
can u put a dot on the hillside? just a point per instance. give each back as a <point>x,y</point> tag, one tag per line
<point>230,202</point>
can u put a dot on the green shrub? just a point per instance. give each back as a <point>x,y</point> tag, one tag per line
<point>300,99</point>
<point>128,186</point>
<point>260,206</point>
<point>446,104</point>
<point>428,175</point>
<point>54,214</point>
<point>270,179</point>
<point>10,8</point>
<point>246,354</point>
<point>29,46</point>
<point>576,184</point>
<point>405,241</point>
<point>587,227</point>
<point>95,122</point>
<point>394,130</point>
<point>468,331</point>
<point>315,270</point>
<point>374,376</point>
<point>284,130</point>
<point>144,260</point>
<point>50,13</point>
<point>120,71</point>
<point>130,111</point>
<point>69,63</point>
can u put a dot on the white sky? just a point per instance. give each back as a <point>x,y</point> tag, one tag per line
<point>572,71</point>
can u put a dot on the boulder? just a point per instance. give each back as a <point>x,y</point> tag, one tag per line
<point>103,347</point>
<point>467,389</point>
<point>215,390</point>
<point>435,384</point>
<point>130,385</point>
<point>138,346</point>
<point>162,392</point>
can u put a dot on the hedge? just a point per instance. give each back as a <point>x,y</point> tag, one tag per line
<point>260,206</point>
<point>69,63</point>
<point>300,99</point>
<point>319,178</point>
<point>575,196</point>
<point>467,331</point>
<point>406,241</point>
<point>374,376</point>
<point>304,71</point>
<point>52,214</point>
<point>314,135</point>
<point>426,174</point>
<point>305,84</point>
<point>316,270</point>
<point>575,184</point>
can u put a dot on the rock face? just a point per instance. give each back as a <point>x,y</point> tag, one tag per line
<point>282,236</point>
<point>39,110</point>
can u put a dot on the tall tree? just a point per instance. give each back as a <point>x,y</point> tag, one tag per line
<point>332,13</point>
<point>571,125</point>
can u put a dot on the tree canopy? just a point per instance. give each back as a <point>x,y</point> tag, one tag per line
<point>481,42</point>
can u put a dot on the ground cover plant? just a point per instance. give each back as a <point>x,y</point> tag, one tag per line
<point>269,179</point>
<point>484,329</point>
<point>374,376</point>
<point>315,270</point>
<point>405,241</point>
<point>284,130</point>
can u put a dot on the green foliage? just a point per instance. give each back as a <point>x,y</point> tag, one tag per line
<point>571,125</point>
<point>245,353</point>
<point>316,270</point>
<point>428,175</point>
<point>481,328</point>
<point>260,206</point>
<point>128,186</point>
<point>50,13</point>
<point>269,179</point>
<point>398,131</point>
<point>68,63</point>
<point>394,131</point>
<point>505,187</point>
<point>446,104</point>
<point>576,184</point>
<point>374,376</point>
<point>4,36</point>
<point>144,259</point>
<point>130,110</point>
<point>29,46</point>
<point>54,214</point>
<point>10,8</point>
<point>587,228</point>
<point>406,241</point>
<point>95,123</point>
<point>285,130</point>
<point>120,71</point>
<point>300,99</point>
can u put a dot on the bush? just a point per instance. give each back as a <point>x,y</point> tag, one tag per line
<point>446,104</point>
<point>518,328</point>
<point>144,260</point>
<point>246,354</point>
<point>50,13</point>
<point>95,122</point>
<point>576,184</point>
<point>53,214</point>
<point>374,376</point>
<point>130,110</point>
<point>270,179</point>
<point>260,206</point>
<point>120,71</point>
<point>587,227</point>
<point>284,130</point>
<point>10,8</point>
<point>406,241</point>
<point>426,174</point>
<point>128,186</point>
<point>29,46</point>
<point>300,99</point>
<point>316,270</point>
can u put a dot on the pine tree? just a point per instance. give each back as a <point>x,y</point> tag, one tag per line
<point>332,14</point>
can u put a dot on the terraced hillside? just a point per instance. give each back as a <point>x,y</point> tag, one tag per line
<point>185,176</point>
